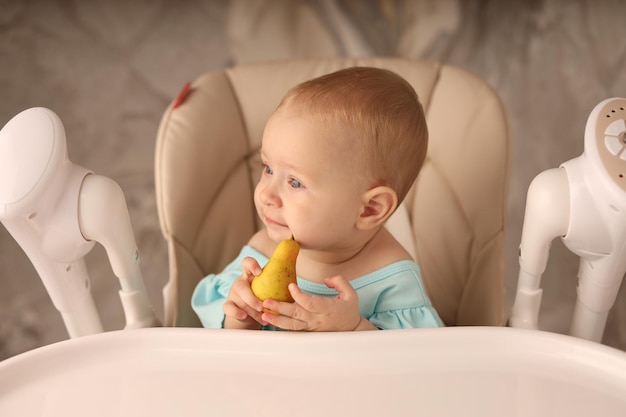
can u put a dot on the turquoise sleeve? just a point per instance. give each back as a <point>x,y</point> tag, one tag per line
<point>212,291</point>
<point>408,318</point>
<point>208,298</point>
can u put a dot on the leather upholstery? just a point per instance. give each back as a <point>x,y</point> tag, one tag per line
<point>207,166</point>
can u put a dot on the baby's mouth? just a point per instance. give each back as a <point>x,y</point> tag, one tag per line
<point>271,222</point>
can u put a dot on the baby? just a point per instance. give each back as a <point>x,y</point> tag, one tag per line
<point>339,155</point>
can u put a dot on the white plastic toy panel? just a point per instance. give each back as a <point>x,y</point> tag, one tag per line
<point>611,139</point>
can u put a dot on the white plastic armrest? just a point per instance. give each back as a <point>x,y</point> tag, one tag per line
<point>546,217</point>
<point>103,217</point>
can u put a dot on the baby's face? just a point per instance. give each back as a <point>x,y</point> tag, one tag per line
<point>308,186</point>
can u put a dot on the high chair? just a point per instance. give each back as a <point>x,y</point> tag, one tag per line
<point>453,220</point>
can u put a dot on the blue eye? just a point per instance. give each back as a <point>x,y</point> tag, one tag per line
<point>267,169</point>
<point>294,183</point>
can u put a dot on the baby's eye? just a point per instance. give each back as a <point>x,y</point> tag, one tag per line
<point>294,183</point>
<point>267,169</point>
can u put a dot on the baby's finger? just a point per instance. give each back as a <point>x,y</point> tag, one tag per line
<point>242,291</point>
<point>258,317</point>
<point>249,298</point>
<point>283,321</point>
<point>341,285</point>
<point>277,307</point>
<point>291,310</point>
<point>231,310</point>
<point>251,266</point>
<point>304,300</point>
<point>241,313</point>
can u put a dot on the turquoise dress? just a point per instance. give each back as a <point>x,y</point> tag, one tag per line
<point>392,297</point>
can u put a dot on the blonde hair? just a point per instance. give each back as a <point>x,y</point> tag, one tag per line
<point>381,111</point>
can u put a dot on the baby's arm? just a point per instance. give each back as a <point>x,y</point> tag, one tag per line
<point>314,313</point>
<point>242,309</point>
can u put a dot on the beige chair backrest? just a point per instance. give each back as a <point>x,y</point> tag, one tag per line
<point>207,165</point>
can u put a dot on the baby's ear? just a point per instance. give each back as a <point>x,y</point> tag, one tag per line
<point>378,204</point>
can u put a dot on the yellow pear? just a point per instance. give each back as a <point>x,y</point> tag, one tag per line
<point>278,273</point>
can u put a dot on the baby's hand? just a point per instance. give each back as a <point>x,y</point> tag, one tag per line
<point>316,313</point>
<point>242,309</point>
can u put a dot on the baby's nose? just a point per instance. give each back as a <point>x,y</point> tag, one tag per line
<point>269,196</point>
